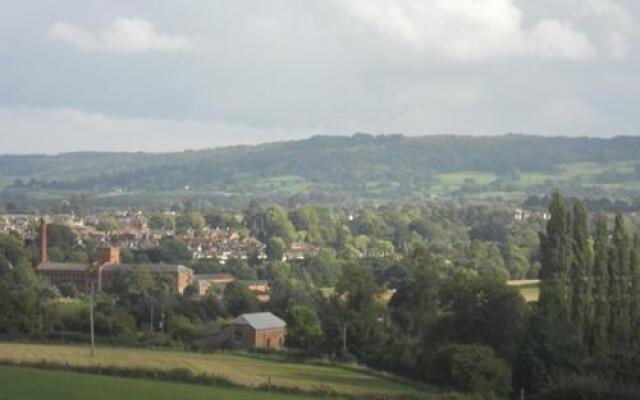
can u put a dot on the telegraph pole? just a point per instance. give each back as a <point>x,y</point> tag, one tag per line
<point>93,341</point>
<point>344,339</point>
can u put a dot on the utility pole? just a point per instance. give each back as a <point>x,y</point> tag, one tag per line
<point>93,342</point>
<point>344,339</point>
<point>151,319</point>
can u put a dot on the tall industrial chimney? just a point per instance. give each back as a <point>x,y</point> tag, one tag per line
<point>43,241</point>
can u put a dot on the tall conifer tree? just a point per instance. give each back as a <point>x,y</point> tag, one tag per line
<point>551,345</point>
<point>581,271</point>
<point>635,292</point>
<point>599,334</point>
<point>620,284</point>
<point>556,260</point>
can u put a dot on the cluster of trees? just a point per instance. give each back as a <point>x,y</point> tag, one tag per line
<point>588,316</point>
<point>601,204</point>
<point>483,239</point>
<point>386,166</point>
<point>437,310</point>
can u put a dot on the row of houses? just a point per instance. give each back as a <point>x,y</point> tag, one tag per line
<point>100,273</point>
<point>246,332</point>
<point>134,233</point>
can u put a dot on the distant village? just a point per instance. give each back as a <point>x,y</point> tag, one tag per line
<point>131,231</point>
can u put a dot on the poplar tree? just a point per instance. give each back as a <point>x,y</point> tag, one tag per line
<point>599,333</point>
<point>581,274</point>
<point>556,259</point>
<point>635,292</point>
<point>620,284</point>
<point>551,345</point>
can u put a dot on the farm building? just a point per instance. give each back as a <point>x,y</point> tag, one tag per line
<point>257,331</point>
<point>246,332</point>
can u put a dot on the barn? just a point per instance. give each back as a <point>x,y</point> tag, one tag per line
<point>257,331</point>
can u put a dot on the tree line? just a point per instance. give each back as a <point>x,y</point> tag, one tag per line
<point>425,312</point>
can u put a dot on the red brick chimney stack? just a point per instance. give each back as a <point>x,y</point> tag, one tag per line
<point>43,241</point>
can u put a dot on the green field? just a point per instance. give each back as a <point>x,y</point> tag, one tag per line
<point>458,178</point>
<point>529,289</point>
<point>33,384</point>
<point>583,172</point>
<point>240,369</point>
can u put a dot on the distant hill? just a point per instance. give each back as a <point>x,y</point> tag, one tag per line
<point>356,163</point>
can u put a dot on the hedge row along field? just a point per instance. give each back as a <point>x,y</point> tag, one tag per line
<point>35,384</point>
<point>237,369</point>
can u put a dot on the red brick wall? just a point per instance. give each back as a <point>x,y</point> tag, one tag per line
<point>270,339</point>
<point>245,337</point>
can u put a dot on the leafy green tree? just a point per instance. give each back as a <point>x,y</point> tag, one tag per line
<point>369,223</point>
<point>79,256</point>
<point>19,310</point>
<point>238,299</point>
<point>516,258</point>
<point>303,328</point>
<point>483,311</point>
<point>485,258</point>
<point>324,268</point>
<point>415,306</point>
<point>276,248</point>
<point>307,219</point>
<point>272,222</point>
<point>361,243</point>
<point>380,248</point>
<point>472,369</point>
<point>278,224</point>
<point>357,297</point>
<point>162,221</point>
<point>222,220</point>
<point>108,224</point>
<point>181,328</point>
<point>343,238</point>
<point>192,220</point>
<point>173,251</point>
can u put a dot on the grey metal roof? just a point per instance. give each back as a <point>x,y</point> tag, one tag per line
<point>54,266</point>
<point>260,321</point>
<point>213,277</point>
<point>151,267</point>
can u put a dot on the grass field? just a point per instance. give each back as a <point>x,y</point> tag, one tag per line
<point>239,369</point>
<point>530,289</point>
<point>585,172</point>
<point>33,384</point>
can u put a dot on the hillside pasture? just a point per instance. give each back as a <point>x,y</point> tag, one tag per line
<point>239,369</point>
<point>34,384</point>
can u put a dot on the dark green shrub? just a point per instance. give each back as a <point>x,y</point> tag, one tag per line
<point>587,388</point>
<point>472,369</point>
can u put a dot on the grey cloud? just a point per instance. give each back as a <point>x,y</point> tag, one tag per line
<point>285,68</point>
<point>127,35</point>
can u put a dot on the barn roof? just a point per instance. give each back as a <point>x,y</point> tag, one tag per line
<point>260,321</point>
<point>151,267</point>
<point>55,266</point>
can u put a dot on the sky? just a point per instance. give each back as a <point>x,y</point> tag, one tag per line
<point>170,75</point>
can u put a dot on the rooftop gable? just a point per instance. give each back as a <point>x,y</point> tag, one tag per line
<point>260,321</point>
